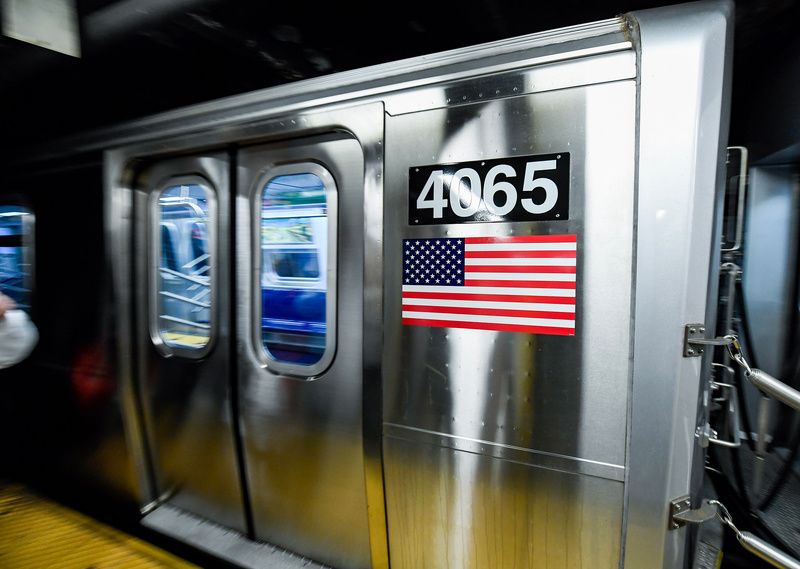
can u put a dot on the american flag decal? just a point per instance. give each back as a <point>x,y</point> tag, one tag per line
<point>510,284</point>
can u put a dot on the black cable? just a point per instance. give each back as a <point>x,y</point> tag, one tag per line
<point>790,365</point>
<point>743,409</point>
<point>744,330</point>
<point>738,475</point>
<point>744,324</point>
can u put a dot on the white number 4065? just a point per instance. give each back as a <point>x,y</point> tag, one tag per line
<point>467,190</point>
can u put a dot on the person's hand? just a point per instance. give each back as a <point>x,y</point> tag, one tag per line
<point>6,303</point>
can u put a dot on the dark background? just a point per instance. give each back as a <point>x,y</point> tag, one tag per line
<point>145,56</point>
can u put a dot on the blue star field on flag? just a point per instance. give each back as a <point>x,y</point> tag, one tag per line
<point>436,262</point>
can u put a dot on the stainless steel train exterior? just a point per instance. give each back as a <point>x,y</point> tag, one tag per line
<point>469,438</point>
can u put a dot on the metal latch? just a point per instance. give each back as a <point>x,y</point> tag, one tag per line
<point>753,544</point>
<point>681,512</point>
<point>694,340</point>
<point>723,394</point>
<point>763,381</point>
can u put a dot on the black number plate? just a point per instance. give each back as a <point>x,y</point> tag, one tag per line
<point>523,188</point>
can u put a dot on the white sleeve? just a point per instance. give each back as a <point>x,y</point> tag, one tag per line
<point>18,336</point>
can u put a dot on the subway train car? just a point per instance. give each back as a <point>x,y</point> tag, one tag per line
<point>458,311</point>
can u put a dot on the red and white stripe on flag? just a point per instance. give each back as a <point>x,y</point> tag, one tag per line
<point>509,284</point>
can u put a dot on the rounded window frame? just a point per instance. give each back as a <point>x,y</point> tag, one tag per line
<point>266,360</point>
<point>154,237</point>
<point>28,244</point>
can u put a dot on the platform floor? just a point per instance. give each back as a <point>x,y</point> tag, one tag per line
<point>38,533</point>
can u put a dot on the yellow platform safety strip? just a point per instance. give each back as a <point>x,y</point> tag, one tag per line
<point>36,533</point>
<point>187,340</point>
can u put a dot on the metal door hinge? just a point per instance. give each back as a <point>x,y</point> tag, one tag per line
<point>695,342</point>
<point>682,513</point>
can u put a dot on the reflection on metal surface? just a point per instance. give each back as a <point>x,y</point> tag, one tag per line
<point>186,401</point>
<point>551,394</point>
<point>767,551</point>
<point>458,510</point>
<point>220,541</point>
<point>775,388</point>
<point>554,401</point>
<point>312,474</point>
<point>521,455</point>
<point>682,131</point>
<point>500,448</point>
<point>118,226</point>
<point>594,65</point>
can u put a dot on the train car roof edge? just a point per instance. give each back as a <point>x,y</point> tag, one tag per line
<point>337,87</point>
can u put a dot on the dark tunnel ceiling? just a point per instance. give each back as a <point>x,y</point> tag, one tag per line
<point>145,56</point>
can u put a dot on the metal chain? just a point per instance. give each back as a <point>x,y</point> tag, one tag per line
<point>725,517</point>
<point>735,351</point>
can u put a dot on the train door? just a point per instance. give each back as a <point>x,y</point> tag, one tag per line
<point>305,340</point>
<point>260,401</point>
<point>182,348</point>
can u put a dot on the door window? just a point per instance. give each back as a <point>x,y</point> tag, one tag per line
<point>297,277</point>
<point>183,282</point>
